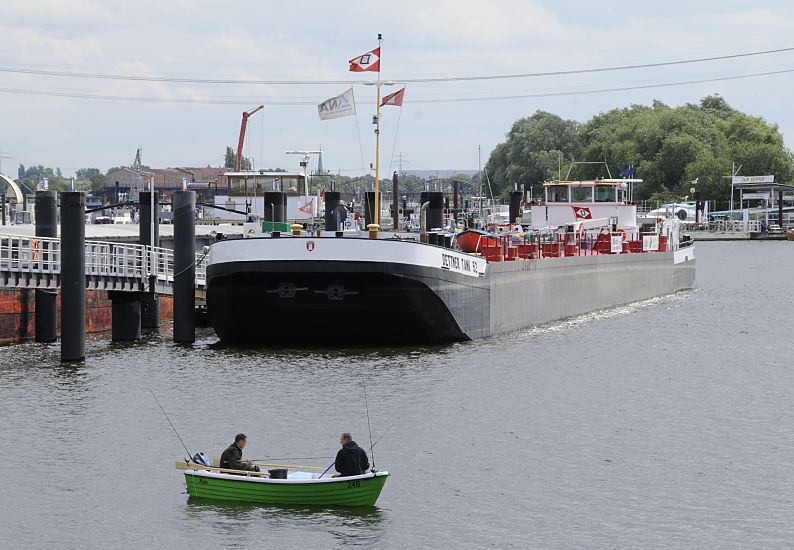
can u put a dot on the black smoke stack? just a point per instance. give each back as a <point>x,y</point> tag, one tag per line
<point>435,212</point>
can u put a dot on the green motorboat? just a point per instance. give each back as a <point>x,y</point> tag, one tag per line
<point>211,483</point>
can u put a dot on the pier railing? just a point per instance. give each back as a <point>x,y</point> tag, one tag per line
<point>41,256</point>
<point>735,226</point>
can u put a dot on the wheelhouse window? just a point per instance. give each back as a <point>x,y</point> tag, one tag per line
<point>582,194</point>
<point>605,193</point>
<point>557,193</point>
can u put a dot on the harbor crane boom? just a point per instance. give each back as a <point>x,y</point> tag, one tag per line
<point>243,125</point>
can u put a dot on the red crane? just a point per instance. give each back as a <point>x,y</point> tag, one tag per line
<point>244,124</point>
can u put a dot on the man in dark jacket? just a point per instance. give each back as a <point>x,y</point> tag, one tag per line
<point>351,460</point>
<point>232,457</point>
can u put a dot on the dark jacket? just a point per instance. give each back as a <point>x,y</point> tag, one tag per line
<point>351,460</point>
<point>232,458</point>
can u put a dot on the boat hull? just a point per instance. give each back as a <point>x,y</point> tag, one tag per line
<point>370,292</point>
<point>362,490</point>
<point>474,240</point>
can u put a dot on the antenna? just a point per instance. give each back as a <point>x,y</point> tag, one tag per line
<point>304,162</point>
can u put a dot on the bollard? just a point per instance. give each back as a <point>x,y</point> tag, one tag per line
<point>72,276</point>
<point>46,300</point>
<point>149,301</point>
<point>369,208</point>
<point>373,229</point>
<point>184,207</point>
<point>126,312</point>
<point>296,229</point>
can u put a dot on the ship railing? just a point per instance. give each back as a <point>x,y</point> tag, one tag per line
<point>551,244</point>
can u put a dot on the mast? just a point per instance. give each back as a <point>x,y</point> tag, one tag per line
<point>479,164</point>
<point>376,218</point>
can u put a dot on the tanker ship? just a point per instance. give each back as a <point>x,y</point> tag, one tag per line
<point>583,252</point>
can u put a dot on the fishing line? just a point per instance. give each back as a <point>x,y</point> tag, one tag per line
<point>167,418</point>
<point>387,429</point>
<point>364,385</point>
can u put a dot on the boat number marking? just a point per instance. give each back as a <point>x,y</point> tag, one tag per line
<point>351,484</point>
<point>202,481</point>
<point>456,263</point>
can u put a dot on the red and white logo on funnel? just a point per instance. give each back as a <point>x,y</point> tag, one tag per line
<point>310,246</point>
<point>582,213</point>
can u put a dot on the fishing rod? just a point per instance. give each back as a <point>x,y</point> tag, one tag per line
<point>364,385</point>
<point>291,458</point>
<point>394,422</point>
<point>328,468</point>
<point>169,420</point>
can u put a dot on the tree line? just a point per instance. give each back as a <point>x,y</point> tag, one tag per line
<point>670,147</point>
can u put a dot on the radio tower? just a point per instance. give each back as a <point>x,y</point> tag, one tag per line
<point>137,184</point>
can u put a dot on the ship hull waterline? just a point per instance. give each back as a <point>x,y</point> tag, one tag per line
<point>271,293</point>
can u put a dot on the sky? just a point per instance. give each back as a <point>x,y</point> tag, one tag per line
<point>441,125</point>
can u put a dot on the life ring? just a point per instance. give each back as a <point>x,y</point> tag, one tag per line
<point>35,246</point>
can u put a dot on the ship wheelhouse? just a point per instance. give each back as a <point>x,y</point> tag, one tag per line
<point>568,202</point>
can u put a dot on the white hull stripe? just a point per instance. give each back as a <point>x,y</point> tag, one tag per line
<point>346,250</point>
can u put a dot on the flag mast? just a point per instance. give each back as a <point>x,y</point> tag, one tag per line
<point>376,218</point>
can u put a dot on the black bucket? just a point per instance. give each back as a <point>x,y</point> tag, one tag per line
<point>278,473</point>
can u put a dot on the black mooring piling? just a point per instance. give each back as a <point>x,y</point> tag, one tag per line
<point>150,302</point>
<point>72,276</point>
<point>126,316</point>
<point>184,207</point>
<point>395,201</point>
<point>46,300</point>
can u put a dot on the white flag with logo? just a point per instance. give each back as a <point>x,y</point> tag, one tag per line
<point>336,107</point>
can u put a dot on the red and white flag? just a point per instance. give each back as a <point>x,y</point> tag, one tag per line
<point>582,213</point>
<point>369,61</point>
<point>394,99</point>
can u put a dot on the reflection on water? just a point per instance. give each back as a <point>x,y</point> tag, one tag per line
<point>239,521</point>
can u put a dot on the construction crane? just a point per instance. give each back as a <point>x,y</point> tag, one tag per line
<point>246,116</point>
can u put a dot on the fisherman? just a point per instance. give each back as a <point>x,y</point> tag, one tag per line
<point>351,460</point>
<point>232,457</point>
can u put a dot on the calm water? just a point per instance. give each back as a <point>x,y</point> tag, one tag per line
<point>666,424</point>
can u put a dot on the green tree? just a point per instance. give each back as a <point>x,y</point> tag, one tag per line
<point>533,151</point>
<point>670,147</point>
<point>231,157</point>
